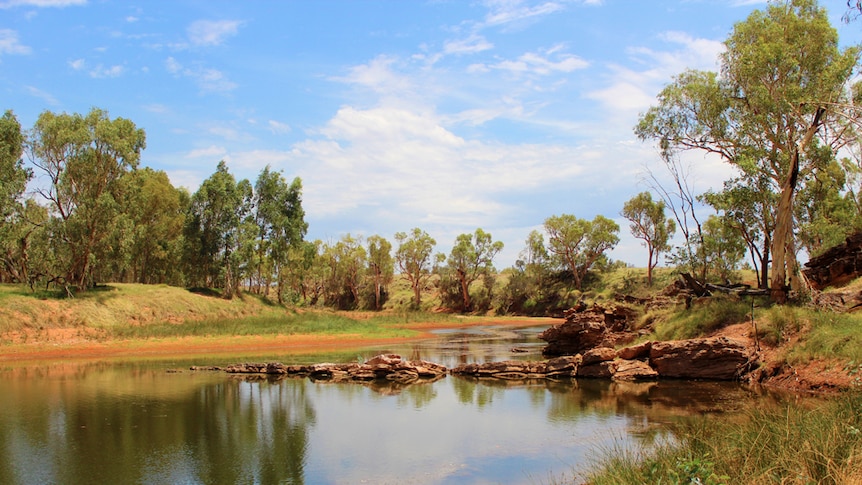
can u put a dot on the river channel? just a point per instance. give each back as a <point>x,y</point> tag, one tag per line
<point>156,422</point>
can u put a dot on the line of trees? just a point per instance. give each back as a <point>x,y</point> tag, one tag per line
<point>783,111</point>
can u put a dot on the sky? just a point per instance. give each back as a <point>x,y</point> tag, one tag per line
<point>446,115</point>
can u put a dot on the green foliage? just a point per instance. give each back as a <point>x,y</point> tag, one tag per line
<point>718,253</point>
<point>279,221</point>
<point>801,442</point>
<point>413,258</point>
<point>772,114</point>
<point>14,226</point>
<point>649,223</point>
<point>472,257</point>
<point>381,268</point>
<point>219,232</point>
<point>85,159</point>
<point>346,261</point>
<point>579,244</point>
<point>826,210</point>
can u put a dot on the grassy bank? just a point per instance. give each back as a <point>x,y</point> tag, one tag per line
<point>129,312</point>
<point>800,443</point>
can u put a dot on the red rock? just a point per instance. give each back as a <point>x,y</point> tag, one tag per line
<point>717,358</point>
<point>602,370</point>
<point>639,351</point>
<point>634,370</point>
<point>599,354</point>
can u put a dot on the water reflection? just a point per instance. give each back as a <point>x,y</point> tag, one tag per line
<point>82,424</point>
<point>139,423</point>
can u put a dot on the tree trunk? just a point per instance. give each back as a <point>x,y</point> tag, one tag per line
<point>783,244</point>
<point>650,266</point>
<point>465,290</point>
<point>783,234</point>
<point>416,296</point>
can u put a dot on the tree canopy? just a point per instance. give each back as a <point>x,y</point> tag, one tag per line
<point>779,108</point>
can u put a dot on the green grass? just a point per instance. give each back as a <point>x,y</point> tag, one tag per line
<point>791,443</point>
<point>830,336</point>
<point>270,323</point>
<point>702,318</point>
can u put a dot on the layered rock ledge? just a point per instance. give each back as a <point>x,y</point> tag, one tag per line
<point>389,367</point>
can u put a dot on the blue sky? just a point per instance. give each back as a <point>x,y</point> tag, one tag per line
<point>443,115</point>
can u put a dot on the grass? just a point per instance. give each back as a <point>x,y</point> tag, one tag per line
<point>269,323</point>
<point>830,336</point>
<point>793,443</point>
<point>702,318</point>
<point>130,311</point>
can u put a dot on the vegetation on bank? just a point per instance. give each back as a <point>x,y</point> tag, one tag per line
<point>794,443</point>
<point>135,311</point>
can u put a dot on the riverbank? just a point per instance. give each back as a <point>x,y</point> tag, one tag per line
<point>128,320</point>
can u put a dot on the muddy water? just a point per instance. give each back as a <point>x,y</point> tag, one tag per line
<point>156,422</point>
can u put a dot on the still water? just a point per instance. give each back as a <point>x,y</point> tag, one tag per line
<point>156,422</point>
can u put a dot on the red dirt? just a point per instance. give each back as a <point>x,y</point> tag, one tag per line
<point>819,376</point>
<point>83,343</point>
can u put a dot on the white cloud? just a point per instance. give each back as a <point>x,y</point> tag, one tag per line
<point>471,45</point>
<point>208,80</point>
<point>378,76</point>
<point>212,32</point>
<point>9,43</point>
<point>630,90</point>
<point>157,108</point>
<point>541,63</point>
<point>44,96</point>
<point>389,157</point>
<point>623,96</point>
<point>508,11</point>
<point>77,64</point>
<point>278,127</point>
<point>173,66</point>
<point>211,151</point>
<point>100,71</point>
<point>41,3</point>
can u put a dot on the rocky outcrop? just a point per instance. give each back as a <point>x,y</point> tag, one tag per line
<point>705,358</point>
<point>717,358</point>
<point>560,367</point>
<point>389,367</point>
<point>588,328</point>
<point>634,370</point>
<point>838,265</point>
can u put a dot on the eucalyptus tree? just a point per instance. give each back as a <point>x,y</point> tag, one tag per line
<point>578,243</point>
<point>347,261</point>
<point>381,266</point>
<point>84,159</point>
<point>413,258</point>
<point>157,210</point>
<point>779,103</point>
<point>649,223</point>
<point>744,205</point>
<point>280,225</point>
<point>723,246</point>
<point>13,181</point>
<point>472,256</point>
<point>217,232</point>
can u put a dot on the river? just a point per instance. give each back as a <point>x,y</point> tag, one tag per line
<point>156,422</point>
